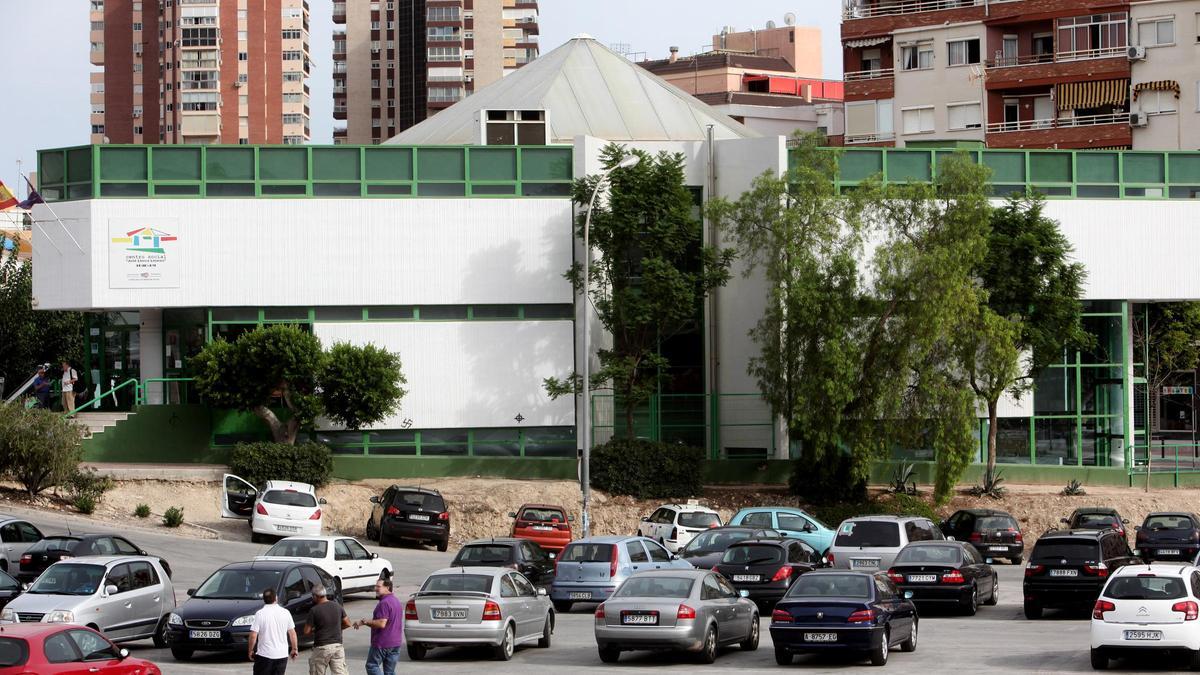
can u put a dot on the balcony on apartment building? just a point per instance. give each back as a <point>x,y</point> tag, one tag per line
<point>868,72</point>
<point>865,18</point>
<point>339,12</point>
<point>1087,114</point>
<point>1026,53</point>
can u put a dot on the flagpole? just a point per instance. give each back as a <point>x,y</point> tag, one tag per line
<point>60,222</point>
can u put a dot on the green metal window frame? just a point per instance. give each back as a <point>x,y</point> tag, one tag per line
<point>304,171</point>
<point>559,439</point>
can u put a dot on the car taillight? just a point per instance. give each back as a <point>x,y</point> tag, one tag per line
<point>782,573</point>
<point>781,616</point>
<point>829,558</point>
<point>861,616</point>
<point>1100,570</point>
<point>565,527</point>
<point>444,515</point>
<point>895,576</point>
<point>1034,570</point>
<point>612,566</point>
<point>316,515</point>
<point>1018,538</point>
<point>491,611</point>
<point>1191,611</point>
<point>262,510</point>
<point>685,612</point>
<point>975,537</point>
<point>410,611</point>
<point>26,558</point>
<point>1103,606</point>
<point>674,533</point>
<point>393,511</point>
<point>953,577</point>
<point>600,611</point>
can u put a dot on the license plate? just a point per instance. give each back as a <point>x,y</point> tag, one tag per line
<point>997,548</point>
<point>1168,551</point>
<point>746,577</point>
<point>639,619</point>
<point>449,613</point>
<point>204,634</point>
<point>581,595</point>
<point>1143,635</point>
<point>864,562</point>
<point>820,637</point>
<point>419,517</point>
<point>287,528</point>
<point>1064,573</point>
<point>542,528</point>
<point>922,578</point>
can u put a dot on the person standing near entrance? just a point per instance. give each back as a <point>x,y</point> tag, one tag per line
<point>387,631</point>
<point>41,387</point>
<point>326,623</point>
<point>69,378</point>
<point>272,637</point>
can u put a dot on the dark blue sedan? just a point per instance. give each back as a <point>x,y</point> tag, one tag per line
<point>839,610</point>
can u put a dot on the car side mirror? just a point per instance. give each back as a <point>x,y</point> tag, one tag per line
<point>646,519</point>
<point>1124,522</point>
<point>541,592</point>
<point>949,538</point>
<point>110,589</point>
<point>809,528</point>
<point>123,653</point>
<point>1137,528</point>
<point>570,519</point>
<point>512,514</point>
<point>374,499</point>
<point>322,501</point>
<point>191,592</point>
<point>987,560</point>
<point>25,587</point>
<point>552,555</point>
<point>374,556</point>
<point>292,595</point>
<point>1064,521</point>
<point>743,593</point>
<point>142,553</point>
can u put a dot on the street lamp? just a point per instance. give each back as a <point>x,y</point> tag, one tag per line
<point>586,456</point>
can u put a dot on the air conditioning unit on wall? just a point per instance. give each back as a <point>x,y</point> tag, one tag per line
<point>1136,53</point>
<point>1138,119</point>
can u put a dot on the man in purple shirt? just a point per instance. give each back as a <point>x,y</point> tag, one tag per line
<point>387,631</point>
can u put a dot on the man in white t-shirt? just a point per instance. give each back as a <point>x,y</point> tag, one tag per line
<point>69,378</point>
<point>272,637</point>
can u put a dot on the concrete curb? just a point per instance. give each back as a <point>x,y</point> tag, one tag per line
<point>85,523</point>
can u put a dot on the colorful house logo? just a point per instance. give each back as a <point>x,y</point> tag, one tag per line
<point>145,240</point>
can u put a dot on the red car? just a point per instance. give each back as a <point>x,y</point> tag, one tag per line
<point>64,649</point>
<point>546,525</point>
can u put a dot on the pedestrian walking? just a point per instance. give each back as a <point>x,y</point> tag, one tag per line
<point>325,623</point>
<point>272,637</point>
<point>69,378</point>
<point>387,631</point>
<point>41,387</point>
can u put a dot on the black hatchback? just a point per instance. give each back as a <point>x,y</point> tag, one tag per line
<point>945,573</point>
<point>1173,535</point>
<point>766,568</point>
<point>994,534</point>
<point>1068,568</point>
<point>520,554</point>
<point>706,548</point>
<point>51,549</point>
<point>409,513</point>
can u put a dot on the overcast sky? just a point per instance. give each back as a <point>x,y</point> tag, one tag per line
<point>44,52</point>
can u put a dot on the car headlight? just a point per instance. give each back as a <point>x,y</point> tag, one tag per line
<point>60,616</point>
<point>243,620</point>
<point>7,615</point>
<point>174,620</point>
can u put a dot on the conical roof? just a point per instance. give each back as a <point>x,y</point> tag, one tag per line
<point>586,89</point>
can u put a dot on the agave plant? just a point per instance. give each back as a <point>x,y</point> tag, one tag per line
<point>903,482</point>
<point>1073,489</point>
<point>994,489</point>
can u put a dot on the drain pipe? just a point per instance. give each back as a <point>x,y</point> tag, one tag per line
<point>714,352</point>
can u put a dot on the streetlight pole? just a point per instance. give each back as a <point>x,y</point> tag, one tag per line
<point>585,478</point>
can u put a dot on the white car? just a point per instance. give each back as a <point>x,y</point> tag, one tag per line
<point>280,509</point>
<point>353,567</point>
<point>674,525</point>
<point>1147,608</point>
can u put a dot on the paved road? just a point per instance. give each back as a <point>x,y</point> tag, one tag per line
<point>998,639</point>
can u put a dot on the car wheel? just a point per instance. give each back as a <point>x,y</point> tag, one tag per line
<point>562,606</point>
<point>910,645</point>
<point>879,655</point>
<point>547,632</point>
<point>181,653</point>
<point>972,604</point>
<point>1017,560</point>
<point>994,598</point>
<point>609,654</point>
<point>368,530</point>
<point>443,545</point>
<point>337,587</point>
<point>1193,663</point>
<point>1100,660</point>
<point>708,649</point>
<point>417,652</point>
<point>1033,610</point>
<point>383,539</point>
<point>160,633</point>
<point>783,658</point>
<point>504,651</point>
<point>751,642</point>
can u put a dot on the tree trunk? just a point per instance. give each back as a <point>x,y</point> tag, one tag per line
<point>281,432</point>
<point>990,474</point>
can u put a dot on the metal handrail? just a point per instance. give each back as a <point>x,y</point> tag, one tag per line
<point>1056,57</point>
<point>856,10</point>
<point>140,395</point>
<point>1060,123</point>
<point>877,74</point>
<point>95,402</point>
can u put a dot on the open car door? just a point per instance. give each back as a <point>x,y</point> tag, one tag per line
<point>237,497</point>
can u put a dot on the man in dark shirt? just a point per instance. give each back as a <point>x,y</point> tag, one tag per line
<point>325,623</point>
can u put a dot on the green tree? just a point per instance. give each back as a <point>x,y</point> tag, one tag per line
<point>1168,335</point>
<point>285,367</point>
<point>38,448</point>
<point>29,336</point>
<point>650,276</point>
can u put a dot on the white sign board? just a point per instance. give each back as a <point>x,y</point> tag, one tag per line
<point>144,253</point>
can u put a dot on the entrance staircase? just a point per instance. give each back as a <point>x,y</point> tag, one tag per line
<point>96,422</point>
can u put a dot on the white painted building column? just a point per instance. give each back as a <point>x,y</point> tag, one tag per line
<point>151,334</point>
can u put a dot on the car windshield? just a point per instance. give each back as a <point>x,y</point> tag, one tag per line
<point>830,586</point>
<point>655,587</point>
<point>699,519</point>
<point>1095,520</point>
<point>752,554</point>
<point>53,544</point>
<point>587,553</point>
<point>237,584</point>
<point>1145,587</point>
<point>8,583</point>
<point>69,579</point>
<point>300,548</point>
<point>996,523</point>
<point>716,540</point>
<point>420,500</point>
<point>1157,523</point>
<point>485,553</point>
<point>1057,550</point>
<point>938,555</point>
<point>473,583</point>
<point>289,498</point>
<point>13,652</point>
<point>868,534</point>
<point>542,515</point>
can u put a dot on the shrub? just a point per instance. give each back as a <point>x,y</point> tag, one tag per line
<point>647,469</point>
<point>173,517</point>
<point>1073,489</point>
<point>38,448</point>
<point>829,481</point>
<point>88,483</point>
<point>142,511</point>
<point>304,463</point>
<point>84,503</point>
<point>995,489</point>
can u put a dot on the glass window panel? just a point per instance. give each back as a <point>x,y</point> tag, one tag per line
<point>176,163</point>
<point>908,165</point>
<point>443,312</point>
<point>284,189</point>
<point>229,189</point>
<point>546,164</point>
<point>1097,167</point>
<point>1144,168</point>
<point>1108,348</point>
<point>345,449</point>
<point>52,166</point>
<point>452,450</point>
<point>80,191</point>
<point>1056,442</point>
<point>230,163</point>
<point>493,312</point>
<point>336,189</point>
<point>1053,190</point>
<point>177,190</point>
<point>340,437</point>
<point>121,164</point>
<point>1050,167</point>
<point>1007,167</point>
<point>493,189</point>
<point>283,164</point>
<point>560,449</point>
<point>549,311</point>
<point>1143,192</point>
<point>1098,191</point>
<point>1012,440</point>
<point>389,190</point>
<point>1185,191</point>
<point>51,193</point>
<point>443,436</point>
<point>545,189</point>
<point>389,163</point>
<point>338,313</point>
<point>123,190</point>
<point>441,163</point>
<point>442,189</point>
<point>402,312</point>
<point>285,314</point>
<point>393,450</point>
<point>859,165</point>
<point>234,314</point>
<point>489,435</point>
<point>1185,168</point>
<point>1054,391</point>
<point>79,165</point>
<point>335,164</point>
<point>494,164</point>
<point>392,436</point>
<point>497,449</point>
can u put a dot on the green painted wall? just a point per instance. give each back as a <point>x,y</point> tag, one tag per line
<point>158,434</point>
<point>354,468</point>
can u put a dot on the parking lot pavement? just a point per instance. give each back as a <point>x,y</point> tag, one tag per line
<point>997,639</point>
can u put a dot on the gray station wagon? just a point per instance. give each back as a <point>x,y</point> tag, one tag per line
<point>589,570</point>
<point>870,543</point>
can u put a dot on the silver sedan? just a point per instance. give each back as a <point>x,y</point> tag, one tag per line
<point>477,606</point>
<point>688,610</point>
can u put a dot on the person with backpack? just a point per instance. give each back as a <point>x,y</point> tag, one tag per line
<point>69,378</point>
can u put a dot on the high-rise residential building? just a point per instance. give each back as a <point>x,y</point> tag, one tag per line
<point>200,71</point>
<point>397,62</point>
<point>1020,73</point>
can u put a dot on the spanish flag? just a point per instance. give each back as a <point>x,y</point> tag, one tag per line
<point>7,198</point>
